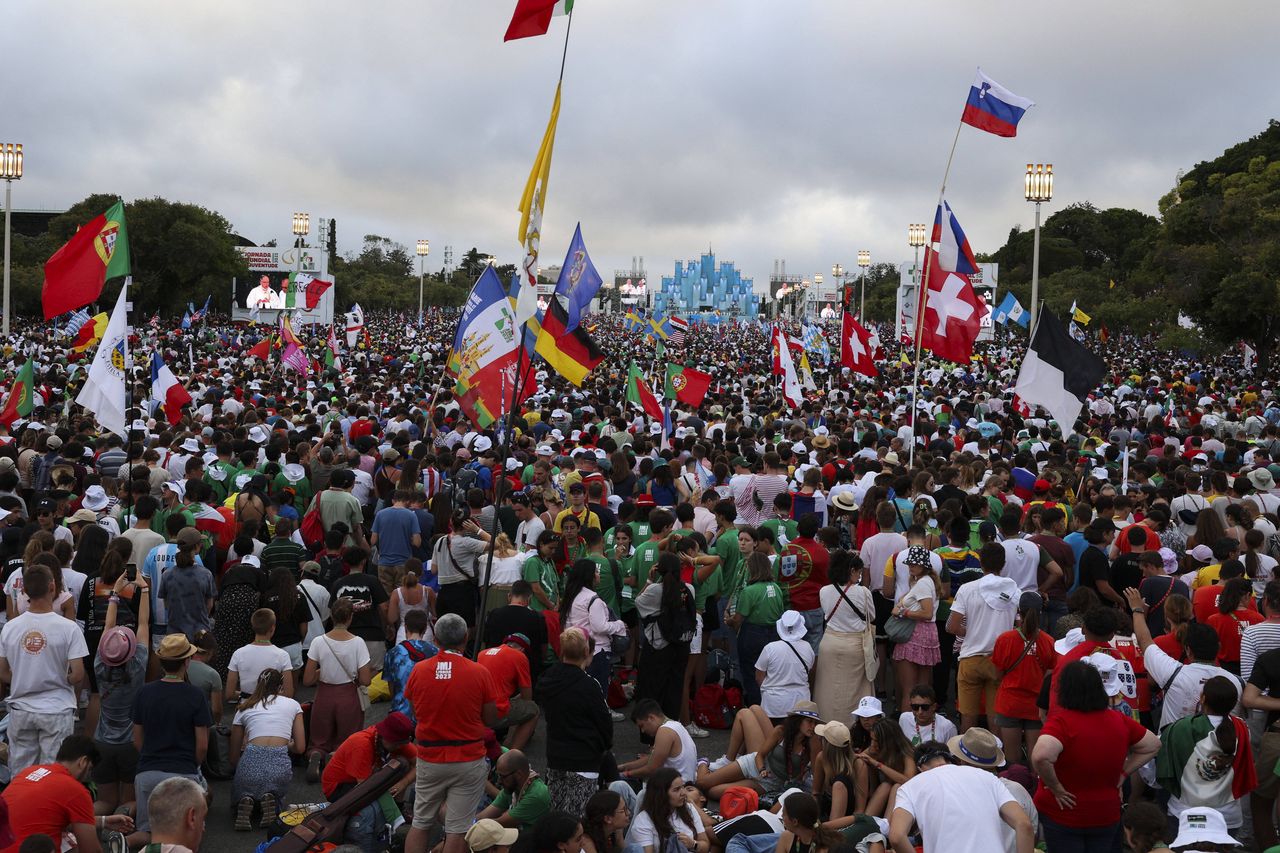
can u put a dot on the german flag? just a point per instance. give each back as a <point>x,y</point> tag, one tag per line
<point>572,354</point>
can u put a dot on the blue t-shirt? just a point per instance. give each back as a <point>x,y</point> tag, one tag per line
<point>186,593</point>
<point>395,527</point>
<point>169,713</point>
<point>1078,546</point>
<point>396,668</point>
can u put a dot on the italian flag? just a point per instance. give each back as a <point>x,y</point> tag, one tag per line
<point>533,17</point>
<point>20,401</point>
<point>638,393</point>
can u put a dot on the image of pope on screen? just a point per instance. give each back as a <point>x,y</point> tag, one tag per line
<point>264,296</point>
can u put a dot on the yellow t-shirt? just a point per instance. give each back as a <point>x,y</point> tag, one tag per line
<point>1207,576</point>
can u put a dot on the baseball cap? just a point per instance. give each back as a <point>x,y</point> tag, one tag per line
<point>485,834</point>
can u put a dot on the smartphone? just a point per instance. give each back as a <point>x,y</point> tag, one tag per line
<point>131,573</point>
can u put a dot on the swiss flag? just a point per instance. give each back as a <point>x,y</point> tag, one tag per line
<point>952,314</point>
<point>857,350</point>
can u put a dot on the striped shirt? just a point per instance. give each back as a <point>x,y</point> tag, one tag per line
<point>1257,639</point>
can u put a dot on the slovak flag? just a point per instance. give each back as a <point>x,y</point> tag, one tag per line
<point>952,315</point>
<point>166,390</point>
<point>993,108</point>
<point>857,348</point>
<point>954,252</point>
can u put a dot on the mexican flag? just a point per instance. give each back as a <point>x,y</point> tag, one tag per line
<point>533,17</point>
<point>74,276</point>
<point>331,357</point>
<point>638,393</point>
<point>1191,764</point>
<point>20,402</point>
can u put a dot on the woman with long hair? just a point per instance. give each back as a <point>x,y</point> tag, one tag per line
<point>581,607</point>
<point>757,606</point>
<point>557,832</point>
<point>1209,529</point>
<point>1235,614</point>
<point>337,667</point>
<point>1022,656</point>
<point>120,667</point>
<point>267,727</point>
<point>1178,614</point>
<point>292,614</point>
<point>846,664</point>
<point>668,622</point>
<point>913,661</point>
<point>412,594</point>
<point>834,772</point>
<point>867,525</point>
<point>665,814</point>
<point>1146,828</point>
<point>604,823</point>
<point>1259,567</point>
<point>772,757</point>
<point>507,563</point>
<point>802,828</point>
<point>882,765</point>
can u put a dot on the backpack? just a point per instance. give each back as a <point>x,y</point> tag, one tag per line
<point>710,709</point>
<point>737,801</point>
<point>312,528</point>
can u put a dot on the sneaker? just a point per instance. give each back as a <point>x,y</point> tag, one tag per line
<point>696,731</point>
<point>244,814</point>
<point>313,767</point>
<point>722,761</point>
<point>270,810</point>
<point>617,716</point>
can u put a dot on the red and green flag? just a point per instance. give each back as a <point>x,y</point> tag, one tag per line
<point>687,385</point>
<point>74,276</point>
<point>638,393</point>
<point>20,401</point>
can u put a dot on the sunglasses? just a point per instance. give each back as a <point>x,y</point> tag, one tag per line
<point>926,707</point>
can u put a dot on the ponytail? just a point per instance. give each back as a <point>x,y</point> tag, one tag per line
<point>1031,623</point>
<point>1226,735</point>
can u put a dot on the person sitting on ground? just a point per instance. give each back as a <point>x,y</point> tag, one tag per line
<point>359,757</point>
<point>523,798</point>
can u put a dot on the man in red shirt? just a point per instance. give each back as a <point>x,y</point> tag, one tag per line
<point>802,586</point>
<point>454,701</point>
<point>50,799</point>
<point>1100,625</point>
<point>357,759</point>
<point>509,666</point>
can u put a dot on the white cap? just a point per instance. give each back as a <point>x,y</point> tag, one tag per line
<point>869,706</point>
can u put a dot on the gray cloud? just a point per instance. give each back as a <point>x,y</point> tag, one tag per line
<point>806,130</point>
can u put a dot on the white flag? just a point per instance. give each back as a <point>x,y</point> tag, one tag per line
<point>791,390</point>
<point>355,324</point>
<point>104,388</point>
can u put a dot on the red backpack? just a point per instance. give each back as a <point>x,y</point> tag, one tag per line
<point>710,708</point>
<point>737,801</point>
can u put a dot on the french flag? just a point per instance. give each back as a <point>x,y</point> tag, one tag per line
<point>954,252</point>
<point>167,390</point>
<point>993,108</point>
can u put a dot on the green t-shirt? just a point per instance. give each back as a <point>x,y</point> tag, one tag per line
<point>534,803</point>
<point>540,572</point>
<point>646,557</point>
<point>761,603</point>
<point>607,588</point>
<point>707,588</point>
<point>627,570</point>
<point>790,530</point>
<point>160,519</point>
<point>726,548</point>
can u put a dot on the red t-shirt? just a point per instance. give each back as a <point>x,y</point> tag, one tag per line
<point>1169,644</point>
<point>45,799</point>
<point>1020,685</point>
<point>1122,539</point>
<point>510,670</point>
<point>354,760</point>
<point>1204,602</point>
<point>1095,744</point>
<point>804,591</point>
<point>1230,628</point>
<point>447,693</point>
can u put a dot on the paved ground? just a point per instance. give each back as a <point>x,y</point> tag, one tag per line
<point>219,835</point>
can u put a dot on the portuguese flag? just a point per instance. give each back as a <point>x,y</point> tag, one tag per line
<point>638,393</point>
<point>20,402</point>
<point>74,276</point>
<point>687,385</point>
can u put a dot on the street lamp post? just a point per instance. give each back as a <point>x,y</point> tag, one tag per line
<point>301,228</point>
<point>10,171</point>
<point>424,249</point>
<point>1039,188</point>
<point>837,275</point>
<point>915,239</point>
<point>864,261</point>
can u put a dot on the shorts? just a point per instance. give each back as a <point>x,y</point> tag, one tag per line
<point>695,645</point>
<point>118,763</point>
<point>295,655</point>
<point>747,764</point>
<point>459,785</point>
<point>1268,759</point>
<point>1016,723</point>
<point>976,678</point>
<point>522,711</point>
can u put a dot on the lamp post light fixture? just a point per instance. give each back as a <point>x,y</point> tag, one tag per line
<point>915,239</point>
<point>864,261</point>
<point>301,228</point>
<point>424,249</point>
<point>1038,189</point>
<point>10,171</point>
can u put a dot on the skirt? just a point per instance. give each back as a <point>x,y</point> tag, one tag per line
<point>841,680</point>
<point>922,649</point>
<point>262,770</point>
<point>569,790</point>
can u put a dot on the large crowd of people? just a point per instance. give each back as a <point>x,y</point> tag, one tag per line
<point>924,619</point>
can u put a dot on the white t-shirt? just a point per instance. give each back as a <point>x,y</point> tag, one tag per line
<point>249,662</point>
<point>1184,691</point>
<point>958,804</point>
<point>39,647</point>
<point>527,533</point>
<point>273,717</point>
<point>923,590</point>
<point>877,551</point>
<point>506,570</point>
<point>902,572</point>
<point>989,606</point>
<point>1021,560</point>
<point>941,729</point>
<point>786,680</point>
<point>842,617</point>
<point>339,660</point>
<point>317,599</point>
<point>645,834</point>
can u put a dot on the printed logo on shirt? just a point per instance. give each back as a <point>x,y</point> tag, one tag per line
<point>37,773</point>
<point>33,642</point>
<point>444,670</point>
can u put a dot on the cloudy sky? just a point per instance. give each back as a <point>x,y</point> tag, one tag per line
<point>804,130</point>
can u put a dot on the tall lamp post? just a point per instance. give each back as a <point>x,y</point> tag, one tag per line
<point>10,171</point>
<point>424,249</point>
<point>864,261</point>
<point>1039,188</point>
<point>301,228</point>
<point>837,275</point>
<point>915,239</point>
